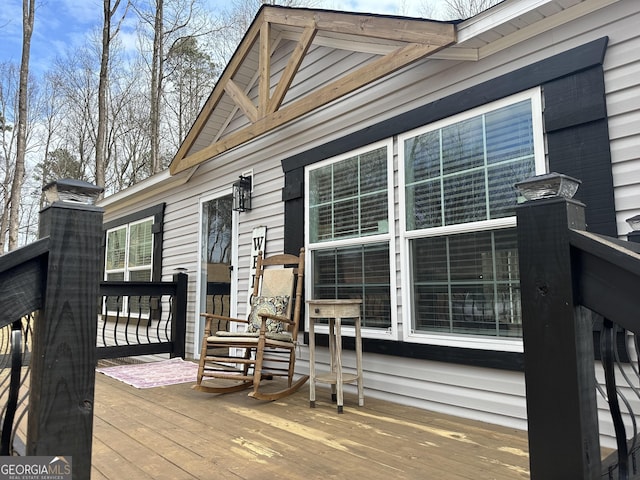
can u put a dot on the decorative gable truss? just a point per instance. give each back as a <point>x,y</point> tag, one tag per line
<point>252,88</point>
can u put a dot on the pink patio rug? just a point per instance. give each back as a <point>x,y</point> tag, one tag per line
<point>153,374</point>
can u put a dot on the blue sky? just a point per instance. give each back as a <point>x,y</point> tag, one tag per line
<point>63,23</point>
<point>58,25</point>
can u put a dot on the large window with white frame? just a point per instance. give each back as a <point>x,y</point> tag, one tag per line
<point>129,251</point>
<point>349,231</point>
<point>129,257</point>
<point>458,220</point>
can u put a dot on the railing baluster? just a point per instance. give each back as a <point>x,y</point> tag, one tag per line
<point>115,324</point>
<point>104,311</point>
<point>139,319</point>
<point>631,447</point>
<point>14,388</point>
<point>607,347</point>
<point>126,327</point>
<point>168,321</point>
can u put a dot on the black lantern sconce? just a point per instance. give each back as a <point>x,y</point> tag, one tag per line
<point>242,194</point>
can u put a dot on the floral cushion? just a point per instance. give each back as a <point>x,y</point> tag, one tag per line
<point>276,305</point>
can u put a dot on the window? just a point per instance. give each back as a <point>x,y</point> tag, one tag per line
<point>467,283</point>
<point>129,252</point>
<point>133,252</point>
<point>459,221</point>
<point>349,231</point>
<point>129,258</point>
<point>461,283</point>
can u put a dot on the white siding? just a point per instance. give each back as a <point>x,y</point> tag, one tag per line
<point>622,74</point>
<point>478,393</point>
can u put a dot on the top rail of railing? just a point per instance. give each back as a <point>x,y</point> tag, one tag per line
<point>22,274</point>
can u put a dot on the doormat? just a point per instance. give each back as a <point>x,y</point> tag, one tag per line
<point>154,374</point>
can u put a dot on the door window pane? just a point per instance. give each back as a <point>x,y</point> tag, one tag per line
<point>217,236</point>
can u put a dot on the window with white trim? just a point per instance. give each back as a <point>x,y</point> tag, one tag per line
<point>129,256</point>
<point>458,199</point>
<point>349,231</point>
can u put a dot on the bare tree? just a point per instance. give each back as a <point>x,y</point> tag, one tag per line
<point>77,88</point>
<point>157,68</point>
<point>191,75</point>
<point>113,128</point>
<point>129,140</point>
<point>429,9</point>
<point>109,10</point>
<point>237,17</point>
<point>28,17</point>
<point>8,72</point>
<point>29,208</point>
<point>463,9</point>
<point>167,21</point>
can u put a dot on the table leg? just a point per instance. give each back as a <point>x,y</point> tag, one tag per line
<point>312,365</point>
<point>332,354</point>
<point>359,362</point>
<point>339,364</point>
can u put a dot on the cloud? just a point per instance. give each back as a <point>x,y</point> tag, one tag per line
<point>11,29</point>
<point>86,12</point>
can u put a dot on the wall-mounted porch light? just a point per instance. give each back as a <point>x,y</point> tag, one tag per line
<point>548,185</point>
<point>71,191</point>
<point>242,194</point>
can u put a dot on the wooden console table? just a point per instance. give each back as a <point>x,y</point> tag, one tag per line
<point>335,311</point>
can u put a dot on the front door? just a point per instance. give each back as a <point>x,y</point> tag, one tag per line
<point>217,250</point>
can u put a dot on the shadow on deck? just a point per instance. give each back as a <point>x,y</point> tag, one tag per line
<point>177,433</point>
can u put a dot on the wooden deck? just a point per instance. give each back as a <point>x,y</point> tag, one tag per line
<point>178,433</point>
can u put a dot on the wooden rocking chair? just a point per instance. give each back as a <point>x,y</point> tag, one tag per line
<point>233,361</point>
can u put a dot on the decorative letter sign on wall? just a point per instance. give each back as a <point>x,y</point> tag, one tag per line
<point>258,244</point>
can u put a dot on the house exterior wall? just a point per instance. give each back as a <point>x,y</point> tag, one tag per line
<point>488,394</point>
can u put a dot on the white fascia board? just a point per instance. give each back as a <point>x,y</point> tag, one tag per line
<point>544,25</point>
<point>511,10</point>
<point>456,53</point>
<point>501,13</point>
<point>153,185</point>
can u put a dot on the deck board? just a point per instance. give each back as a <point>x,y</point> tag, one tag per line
<point>178,433</point>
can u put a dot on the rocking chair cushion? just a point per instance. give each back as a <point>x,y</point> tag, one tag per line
<point>276,305</point>
<point>231,337</point>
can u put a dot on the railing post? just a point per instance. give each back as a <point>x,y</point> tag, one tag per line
<point>633,236</point>
<point>64,338</point>
<point>179,324</point>
<point>558,346</point>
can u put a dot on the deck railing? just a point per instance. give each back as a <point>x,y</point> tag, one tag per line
<point>50,300</point>
<point>121,333</point>
<point>576,286</point>
<point>142,318</point>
